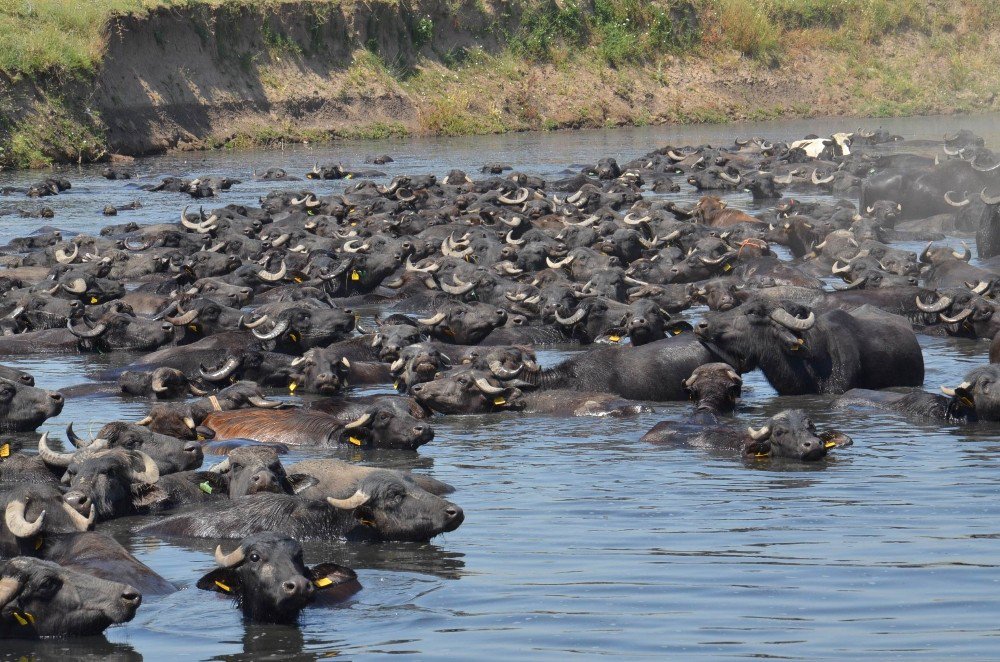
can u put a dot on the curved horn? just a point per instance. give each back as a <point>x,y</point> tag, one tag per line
<point>76,286</point>
<point>937,307</point>
<point>230,560</point>
<point>724,176</point>
<point>784,318</point>
<point>432,321</point>
<point>989,200</point>
<point>222,373</point>
<point>760,433</point>
<point>519,198</point>
<point>965,255</point>
<point>361,422</point>
<point>504,373</point>
<point>982,169</point>
<point>817,180</point>
<point>92,333</point>
<point>63,258</point>
<point>17,524</point>
<point>556,264</point>
<point>952,392</point>
<point>276,331</point>
<point>957,318</point>
<point>254,324</point>
<point>837,269</point>
<point>488,388</point>
<point>264,403</point>
<point>356,500</point>
<point>950,201</point>
<point>457,289</point>
<point>272,277</point>
<point>573,319</point>
<point>184,319</point>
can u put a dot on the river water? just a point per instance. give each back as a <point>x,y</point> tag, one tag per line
<point>580,541</point>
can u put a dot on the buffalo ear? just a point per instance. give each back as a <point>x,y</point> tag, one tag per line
<point>837,438</point>
<point>220,580</point>
<point>144,495</point>
<point>334,582</point>
<point>302,482</point>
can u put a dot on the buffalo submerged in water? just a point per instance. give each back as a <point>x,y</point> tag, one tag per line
<point>210,318</point>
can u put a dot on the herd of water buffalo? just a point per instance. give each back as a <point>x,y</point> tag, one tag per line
<point>208,316</point>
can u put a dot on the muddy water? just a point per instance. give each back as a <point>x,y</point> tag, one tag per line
<point>578,540</point>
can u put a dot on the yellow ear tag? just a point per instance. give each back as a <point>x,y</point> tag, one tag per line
<point>205,487</point>
<point>25,619</point>
<point>967,401</point>
<point>348,176</point>
<point>323,581</point>
<point>761,454</point>
<point>5,450</point>
<point>297,279</point>
<point>223,586</point>
<point>395,385</point>
<point>94,299</point>
<point>355,441</point>
<point>292,387</point>
<point>499,400</point>
<point>39,541</point>
<point>367,522</point>
<point>830,444</point>
<point>193,327</point>
<point>355,275</point>
<point>614,338</point>
<point>294,337</point>
<point>201,437</point>
<point>728,267</point>
<point>677,332</point>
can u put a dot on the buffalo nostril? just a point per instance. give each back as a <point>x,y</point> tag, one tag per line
<point>703,325</point>
<point>348,311</point>
<point>418,388</point>
<point>132,597</point>
<point>56,396</point>
<point>452,512</point>
<point>192,448</point>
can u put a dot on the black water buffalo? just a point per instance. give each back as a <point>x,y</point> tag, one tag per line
<point>382,506</point>
<point>42,599</point>
<point>170,453</point>
<point>977,398</point>
<point>255,469</point>
<point>23,408</point>
<point>268,580</point>
<point>33,513</point>
<point>788,434</point>
<point>802,352</point>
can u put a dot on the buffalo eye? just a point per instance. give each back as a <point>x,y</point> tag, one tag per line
<point>254,557</point>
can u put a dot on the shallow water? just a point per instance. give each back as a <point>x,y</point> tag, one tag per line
<point>579,540</point>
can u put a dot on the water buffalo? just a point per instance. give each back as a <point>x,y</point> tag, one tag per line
<point>23,408</point>
<point>255,469</point>
<point>42,599</point>
<point>169,453</point>
<point>802,352</point>
<point>182,420</point>
<point>33,513</point>
<point>268,580</point>
<point>788,434</point>
<point>376,426</point>
<point>381,507</point>
<point>977,398</point>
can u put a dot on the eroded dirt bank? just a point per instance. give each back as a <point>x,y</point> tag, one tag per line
<point>238,75</point>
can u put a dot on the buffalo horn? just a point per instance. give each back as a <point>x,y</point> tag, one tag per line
<point>17,524</point>
<point>356,500</point>
<point>784,318</point>
<point>230,560</point>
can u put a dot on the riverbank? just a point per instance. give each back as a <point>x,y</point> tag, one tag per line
<point>145,76</point>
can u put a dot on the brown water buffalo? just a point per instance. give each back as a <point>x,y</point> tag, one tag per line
<point>375,427</point>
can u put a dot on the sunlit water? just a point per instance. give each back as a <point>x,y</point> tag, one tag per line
<point>579,540</point>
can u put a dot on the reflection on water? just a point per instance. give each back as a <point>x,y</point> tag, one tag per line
<point>578,540</point>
